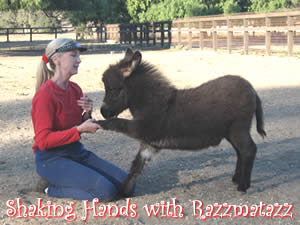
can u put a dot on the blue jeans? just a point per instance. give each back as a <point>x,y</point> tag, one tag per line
<point>74,172</point>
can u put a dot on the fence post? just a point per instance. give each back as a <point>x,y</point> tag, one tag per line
<point>147,33</point>
<point>122,34</point>
<point>154,33</point>
<point>201,36</point>
<point>162,35</point>
<point>7,35</point>
<point>30,34</point>
<point>214,35</point>
<point>134,30</point>
<point>190,44</point>
<point>229,35</point>
<point>129,34</point>
<point>268,36</point>
<point>76,34</point>
<point>290,36</point>
<point>170,33</point>
<point>98,33</point>
<point>246,37</point>
<point>141,34</point>
<point>179,33</point>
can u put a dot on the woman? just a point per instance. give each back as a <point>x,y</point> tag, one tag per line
<point>60,114</point>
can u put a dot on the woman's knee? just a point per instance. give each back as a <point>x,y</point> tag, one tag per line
<point>104,190</point>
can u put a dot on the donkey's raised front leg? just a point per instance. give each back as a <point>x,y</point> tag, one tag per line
<point>127,127</point>
<point>144,155</point>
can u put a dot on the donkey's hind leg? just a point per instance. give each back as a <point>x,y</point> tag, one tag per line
<point>246,152</point>
<point>144,155</point>
<point>236,176</point>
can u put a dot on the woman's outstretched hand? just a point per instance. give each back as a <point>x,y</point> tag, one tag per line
<point>88,126</point>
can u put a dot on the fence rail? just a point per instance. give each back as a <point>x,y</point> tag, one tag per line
<point>71,31</point>
<point>266,32</point>
<point>240,32</point>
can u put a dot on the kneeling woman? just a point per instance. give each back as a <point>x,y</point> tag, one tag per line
<point>60,113</point>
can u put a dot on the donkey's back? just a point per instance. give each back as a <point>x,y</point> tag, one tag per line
<point>202,116</point>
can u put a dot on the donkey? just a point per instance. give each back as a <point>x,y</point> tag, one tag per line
<point>165,117</point>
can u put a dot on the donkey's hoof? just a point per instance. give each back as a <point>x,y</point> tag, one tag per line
<point>243,188</point>
<point>125,194</point>
<point>235,179</point>
<point>127,190</point>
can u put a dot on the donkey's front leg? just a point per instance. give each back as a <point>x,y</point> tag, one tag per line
<point>127,127</point>
<point>144,155</point>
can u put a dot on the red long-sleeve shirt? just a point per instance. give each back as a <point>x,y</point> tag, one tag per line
<point>55,114</point>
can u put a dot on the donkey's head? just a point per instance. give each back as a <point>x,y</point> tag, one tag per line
<point>116,96</point>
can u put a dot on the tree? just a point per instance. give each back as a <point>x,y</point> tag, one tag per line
<point>79,11</point>
<point>118,12</point>
<point>231,6</point>
<point>270,5</point>
<point>137,8</point>
<point>295,3</point>
<point>170,9</point>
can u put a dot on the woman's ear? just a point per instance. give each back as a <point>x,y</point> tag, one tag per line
<point>55,59</point>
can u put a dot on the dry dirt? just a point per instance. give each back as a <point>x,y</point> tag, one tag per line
<point>187,176</point>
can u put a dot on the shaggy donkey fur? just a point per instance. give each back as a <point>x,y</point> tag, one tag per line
<point>168,118</point>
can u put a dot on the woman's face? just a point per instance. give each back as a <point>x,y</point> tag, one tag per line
<point>68,62</point>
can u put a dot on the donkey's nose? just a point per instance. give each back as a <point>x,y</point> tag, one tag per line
<point>106,113</point>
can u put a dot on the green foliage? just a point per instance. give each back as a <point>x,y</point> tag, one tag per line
<point>39,19</point>
<point>170,9</point>
<point>243,4</point>
<point>195,9</point>
<point>230,6</point>
<point>295,3</point>
<point>26,19</point>
<point>270,5</point>
<point>78,11</point>
<point>118,12</point>
<point>137,8</point>
<point>83,12</point>
<point>7,5</point>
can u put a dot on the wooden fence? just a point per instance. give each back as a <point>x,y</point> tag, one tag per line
<point>267,32</point>
<point>141,33</point>
<point>30,31</point>
<point>91,33</point>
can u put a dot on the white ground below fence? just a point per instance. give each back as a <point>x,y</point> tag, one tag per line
<point>187,176</point>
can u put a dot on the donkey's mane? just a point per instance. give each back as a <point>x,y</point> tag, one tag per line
<point>152,74</point>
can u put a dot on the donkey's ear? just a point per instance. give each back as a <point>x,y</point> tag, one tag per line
<point>133,63</point>
<point>128,54</point>
<point>136,60</point>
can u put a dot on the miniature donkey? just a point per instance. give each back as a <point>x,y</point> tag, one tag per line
<point>168,118</point>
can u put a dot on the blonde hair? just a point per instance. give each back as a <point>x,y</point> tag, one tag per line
<point>43,73</point>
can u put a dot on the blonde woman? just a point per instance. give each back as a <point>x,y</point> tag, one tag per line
<point>60,113</point>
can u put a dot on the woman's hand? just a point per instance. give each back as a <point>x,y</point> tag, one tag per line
<point>86,104</point>
<point>88,126</point>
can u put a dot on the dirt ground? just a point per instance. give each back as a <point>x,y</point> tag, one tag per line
<point>189,177</point>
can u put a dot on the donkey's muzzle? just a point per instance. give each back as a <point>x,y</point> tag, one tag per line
<point>106,113</point>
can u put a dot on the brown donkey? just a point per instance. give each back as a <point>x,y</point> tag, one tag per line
<point>168,118</point>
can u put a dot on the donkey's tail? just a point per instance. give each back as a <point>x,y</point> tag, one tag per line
<point>259,118</point>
